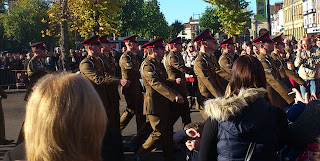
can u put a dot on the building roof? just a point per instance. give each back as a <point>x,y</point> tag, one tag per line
<point>186,25</point>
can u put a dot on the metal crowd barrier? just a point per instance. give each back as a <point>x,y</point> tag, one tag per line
<point>9,78</point>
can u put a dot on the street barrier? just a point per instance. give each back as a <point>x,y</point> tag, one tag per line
<point>9,78</point>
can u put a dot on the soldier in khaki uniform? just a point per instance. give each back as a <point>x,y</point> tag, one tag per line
<point>35,71</point>
<point>156,101</point>
<point>106,56</point>
<point>36,68</point>
<point>176,69</point>
<point>3,140</point>
<point>284,72</point>
<point>226,60</point>
<point>93,68</point>
<point>130,70</point>
<point>212,81</point>
<point>111,89</point>
<point>277,91</point>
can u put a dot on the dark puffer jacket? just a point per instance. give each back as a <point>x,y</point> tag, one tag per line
<point>238,120</point>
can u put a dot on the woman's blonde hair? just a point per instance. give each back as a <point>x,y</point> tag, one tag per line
<point>65,120</point>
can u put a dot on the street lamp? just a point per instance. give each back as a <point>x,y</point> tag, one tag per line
<point>268,16</point>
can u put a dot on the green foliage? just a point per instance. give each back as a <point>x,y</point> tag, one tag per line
<point>154,23</point>
<point>143,19</point>
<point>233,15</point>
<point>176,28</point>
<point>209,20</point>
<point>26,21</point>
<point>130,17</point>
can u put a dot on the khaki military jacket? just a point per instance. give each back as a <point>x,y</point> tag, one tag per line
<point>284,72</point>
<point>226,62</point>
<point>35,71</point>
<point>110,71</point>
<point>109,64</point>
<point>93,68</point>
<point>210,84</point>
<point>130,70</point>
<point>158,93</point>
<point>175,68</point>
<point>276,90</point>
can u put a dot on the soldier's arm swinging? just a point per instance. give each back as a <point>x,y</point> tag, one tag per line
<point>179,65</point>
<point>88,70</point>
<point>202,73</point>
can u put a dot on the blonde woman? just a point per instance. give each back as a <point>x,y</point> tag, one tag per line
<point>189,58</point>
<point>65,120</point>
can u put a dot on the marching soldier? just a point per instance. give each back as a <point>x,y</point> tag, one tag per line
<point>226,60</point>
<point>130,70</point>
<point>156,101</point>
<point>106,56</point>
<point>211,79</point>
<point>277,91</point>
<point>3,140</point>
<point>111,89</point>
<point>176,69</point>
<point>36,68</point>
<point>284,72</point>
<point>93,68</point>
<point>35,71</point>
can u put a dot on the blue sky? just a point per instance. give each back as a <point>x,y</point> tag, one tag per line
<point>182,10</point>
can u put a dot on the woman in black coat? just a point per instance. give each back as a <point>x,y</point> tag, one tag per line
<point>244,119</point>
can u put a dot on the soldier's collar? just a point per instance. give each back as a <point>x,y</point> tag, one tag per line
<point>91,57</point>
<point>208,55</point>
<point>151,59</point>
<point>107,55</point>
<point>267,56</point>
<point>227,53</point>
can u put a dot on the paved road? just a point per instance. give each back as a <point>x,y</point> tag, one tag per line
<point>14,112</point>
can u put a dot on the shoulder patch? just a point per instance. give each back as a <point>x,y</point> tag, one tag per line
<point>169,59</point>
<point>128,63</point>
<point>150,73</point>
<point>154,70</point>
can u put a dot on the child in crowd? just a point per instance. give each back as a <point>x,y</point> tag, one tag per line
<point>188,140</point>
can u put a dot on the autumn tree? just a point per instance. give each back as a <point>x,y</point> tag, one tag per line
<point>94,17</point>
<point>209,20</point>
<point>233,15</point>
<point>85,17</point>
<point>88,17</point>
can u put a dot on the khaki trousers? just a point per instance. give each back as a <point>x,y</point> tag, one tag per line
<point>134,107</point>
<point>162,134</point>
